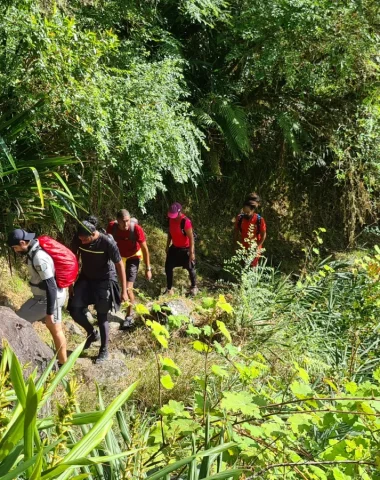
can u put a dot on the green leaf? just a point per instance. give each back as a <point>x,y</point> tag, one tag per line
<point>92,438</point>
<point>174,408</point>
<point>201,347</point>
<point>167,382</point>
<point>223,329</point>
<point>224,305</point>
<point>219,371</point>
<point>339,475</point>
<point>36,471</point>
<point>208,303</point>
<point>301,390</point>
<point>192,330</point>
<point>170,366</point>
<point>141,309</point>
<point>376,374</point>
<point>185,461</point>
<point>30,422</point>
<point>156,308</point>
<point>240,402</point>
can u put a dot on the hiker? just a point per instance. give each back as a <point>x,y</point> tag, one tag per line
<point>48,298</point>
<point>250,226</point>
<point>131,240</point>
<point>97,283</point>
<point>180,248</point>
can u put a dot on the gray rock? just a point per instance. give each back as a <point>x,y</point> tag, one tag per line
<point>24,341</point>
<point>74,329</point>
<point>178,307</point>
<point>110,371</point>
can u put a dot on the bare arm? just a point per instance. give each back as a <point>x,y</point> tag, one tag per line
<point>263,237</point>
<point>146,257</point>
<point>190,235</point>
<point>168,242</point>
<point>123,279</point>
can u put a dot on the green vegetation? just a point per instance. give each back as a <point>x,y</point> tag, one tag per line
<point>287,383</point>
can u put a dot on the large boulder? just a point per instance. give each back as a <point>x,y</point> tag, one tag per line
<point>23,339</point>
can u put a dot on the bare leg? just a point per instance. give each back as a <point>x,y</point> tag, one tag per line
<point>59,340</point>
<point>131,297</point>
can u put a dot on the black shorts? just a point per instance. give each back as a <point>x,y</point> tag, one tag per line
<point>132,268</point>
<point>102,293</point>
<point>179,257</point>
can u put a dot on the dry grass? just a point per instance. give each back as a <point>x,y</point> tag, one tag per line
<point>14,290</point>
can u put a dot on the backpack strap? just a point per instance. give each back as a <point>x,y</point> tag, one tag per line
<point>258,224</point>
<point>31,258</point>
<point>183,221</point>
<point>240,221</point>
<point>132,232</point>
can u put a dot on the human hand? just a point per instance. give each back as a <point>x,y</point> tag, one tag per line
<point>148,274</point>
<point>124,296</point>
<point>192,257</point>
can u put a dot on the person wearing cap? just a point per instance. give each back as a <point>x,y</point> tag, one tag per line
<point>180,251</point>
<point>97,283</point>
<point>48,299</point>
<point>131,240</point>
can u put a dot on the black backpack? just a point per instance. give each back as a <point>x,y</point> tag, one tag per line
<point>132,233</point>
<point>183,221</point>
<point>258,223</point>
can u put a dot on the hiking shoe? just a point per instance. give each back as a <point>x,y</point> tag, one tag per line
<point>128,323</point>
<point>193,291</point>
<point>94,337</point>
<point>103,356</point>
<point>168,291</point>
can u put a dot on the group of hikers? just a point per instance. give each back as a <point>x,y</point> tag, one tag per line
<point>109,263</point>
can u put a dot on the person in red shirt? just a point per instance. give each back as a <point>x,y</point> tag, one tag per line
<point>131,240</point>
<point>180,247</point>
<point>251,227</point>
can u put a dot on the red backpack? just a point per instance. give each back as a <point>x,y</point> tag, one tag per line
<point>65,262</point>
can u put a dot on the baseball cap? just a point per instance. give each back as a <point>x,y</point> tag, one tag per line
<point>174,209</point>
<point>15,236</point>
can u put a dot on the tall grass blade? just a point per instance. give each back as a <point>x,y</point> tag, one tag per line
<point>30,423</point>
<point>185,461</point>
<point>94,436</point>
<point>62,372</point>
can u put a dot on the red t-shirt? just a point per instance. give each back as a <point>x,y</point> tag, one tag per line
<point>249,229</point>
<point>127,248</point>
<point>178,238</point>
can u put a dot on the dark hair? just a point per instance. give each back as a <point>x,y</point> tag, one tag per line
<point>86,229</point>
<point>253,196</point>
<point>251,204</point>
<point>93,220</point>
<point>122,213</point>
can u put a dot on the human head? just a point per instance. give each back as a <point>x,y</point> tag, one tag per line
<point>174,210</point>
<point>123,219</point>
<point>249,207</point>
<point>254,197</point>
<point>86,232</point>
<point>19,240</point>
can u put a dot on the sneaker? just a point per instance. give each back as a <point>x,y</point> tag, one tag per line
<point>128,323</point>
<point>103,356</point>
<point>193,291</point>
<point>94,337</point>
<point>168,291</point>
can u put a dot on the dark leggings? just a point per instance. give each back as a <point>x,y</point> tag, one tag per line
<point>80,317</point>
<point>179,257</point>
